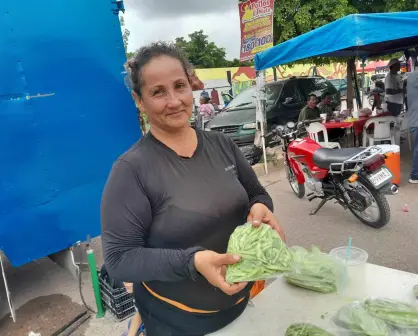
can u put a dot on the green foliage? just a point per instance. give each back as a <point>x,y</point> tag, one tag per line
<point>296,17</point>
<point>125,33</point>
<point>205,54</point>
<point>130,55</point>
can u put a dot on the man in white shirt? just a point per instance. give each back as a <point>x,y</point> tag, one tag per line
<point>394,88</point>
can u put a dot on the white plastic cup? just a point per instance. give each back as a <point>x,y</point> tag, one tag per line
<point>355,115</point>
<point>323,116</point>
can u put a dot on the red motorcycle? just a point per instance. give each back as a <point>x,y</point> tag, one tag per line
<point>355,178</point>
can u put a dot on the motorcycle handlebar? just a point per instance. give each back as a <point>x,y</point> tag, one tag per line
<point>298,125</point>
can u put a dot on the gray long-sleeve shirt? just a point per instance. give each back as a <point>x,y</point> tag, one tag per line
<point>158,209</point>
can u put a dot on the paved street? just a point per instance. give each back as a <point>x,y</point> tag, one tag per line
<point>393,246</point>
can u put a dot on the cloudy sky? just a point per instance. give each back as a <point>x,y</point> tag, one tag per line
<point>151,20</point>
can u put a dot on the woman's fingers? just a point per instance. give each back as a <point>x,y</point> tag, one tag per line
<point>231,289</point>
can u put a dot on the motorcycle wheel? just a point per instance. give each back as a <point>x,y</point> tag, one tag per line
<point>298,188</point>
<point>381,204</point>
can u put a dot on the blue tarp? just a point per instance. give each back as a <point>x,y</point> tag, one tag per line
<point>56,149</point>
<point>361,35</point>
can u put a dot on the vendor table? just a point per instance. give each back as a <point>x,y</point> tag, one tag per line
<point>356,125</point>
<point>281,304</point>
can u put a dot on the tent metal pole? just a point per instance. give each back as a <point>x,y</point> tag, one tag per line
<point>260,117</point>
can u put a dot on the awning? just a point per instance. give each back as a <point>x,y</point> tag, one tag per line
<point>361,35</point>
<point>372,66</point>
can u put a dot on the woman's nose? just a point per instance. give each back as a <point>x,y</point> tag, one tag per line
<point>173,99</point>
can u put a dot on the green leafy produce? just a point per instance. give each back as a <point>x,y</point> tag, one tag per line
<point>263,254</point>
<point>358,320</point>
<point>393,312</point>
<point>314,270</point>
<point>306,329</point>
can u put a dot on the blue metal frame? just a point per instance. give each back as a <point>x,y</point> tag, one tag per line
<point>65,117</point>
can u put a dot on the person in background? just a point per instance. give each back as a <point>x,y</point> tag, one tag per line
<point>311,110</point>
<point>204,94</point>
<point>394,88</point>
<point>207,111</point>
<point>215,106</point>
<point>325,104</point>
<point>325,107</point>
<point>412,87</point>
<point>214,95</point>
<point>135,326</point>
<point>171,203</point>
<point>378,92</point>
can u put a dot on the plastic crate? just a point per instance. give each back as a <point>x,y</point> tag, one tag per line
<point>117,301</point>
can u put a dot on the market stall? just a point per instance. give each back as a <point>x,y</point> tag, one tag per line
<point>354,36</point>
<point>281,304</point>
<point>357,35</point>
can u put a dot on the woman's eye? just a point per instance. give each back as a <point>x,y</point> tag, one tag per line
<point>158,93</point>
<point>181,85</point>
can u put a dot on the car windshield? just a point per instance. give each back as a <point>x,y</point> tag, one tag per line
<point>317,86</point>
<point>247,98</point>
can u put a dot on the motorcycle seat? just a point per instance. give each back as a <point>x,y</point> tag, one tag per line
<point>323,157</point>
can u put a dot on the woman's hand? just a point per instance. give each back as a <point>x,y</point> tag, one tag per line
<point>212,266</point>
<point>259,213</point>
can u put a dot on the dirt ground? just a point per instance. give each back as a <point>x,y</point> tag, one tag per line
<point>44,315</point>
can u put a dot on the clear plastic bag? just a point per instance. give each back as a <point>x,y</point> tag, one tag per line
<point>263,254</point>
<point>356,320</point>
<point>314,270</point>
<point>396,313</point>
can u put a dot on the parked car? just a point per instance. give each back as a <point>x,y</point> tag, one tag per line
<point>227,98</point>
<point>285,99</point>
<point>341,85</point>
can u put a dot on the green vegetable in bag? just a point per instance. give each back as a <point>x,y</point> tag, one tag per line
<point>393,312</point>
<point>358,320</point>
<point>314,270</point>
<point>306,329</point>
<point>263,254</point>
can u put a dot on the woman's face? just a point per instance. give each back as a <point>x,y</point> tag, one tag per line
<point>166,94</point>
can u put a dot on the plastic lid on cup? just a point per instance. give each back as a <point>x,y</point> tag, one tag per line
<point>357,255</point>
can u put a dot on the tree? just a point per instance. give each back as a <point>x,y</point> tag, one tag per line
<point>205,54</point>
<point>125,36</point>
<point>237,63</point>
<point>296,17</point>
<point>200,52</point>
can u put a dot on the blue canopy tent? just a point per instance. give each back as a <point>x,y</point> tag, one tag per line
<point>358,35</point>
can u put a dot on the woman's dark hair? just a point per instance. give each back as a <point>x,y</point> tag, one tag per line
<point>145,54</point>
<point>205,99</point>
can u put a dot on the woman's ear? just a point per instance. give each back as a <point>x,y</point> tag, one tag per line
<point>138,101</point>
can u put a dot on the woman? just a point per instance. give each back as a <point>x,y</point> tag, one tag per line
<point>207,111</point>
<point>171,203</point>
